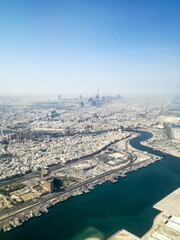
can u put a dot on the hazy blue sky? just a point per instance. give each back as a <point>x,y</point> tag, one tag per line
<point>49,46</point>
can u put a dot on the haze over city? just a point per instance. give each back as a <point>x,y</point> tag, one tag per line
<point>90,119</point>
<point>47,47</point>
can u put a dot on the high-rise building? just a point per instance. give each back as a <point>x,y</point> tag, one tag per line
<point>48,184</point>
<point>53,114</point>
<point>44,172</point>
<point>97,96</point>
<point>81,104</point>
<point>93,103</point>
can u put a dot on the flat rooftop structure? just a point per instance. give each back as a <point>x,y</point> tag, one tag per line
<point>170,203</point>
<point>123,235</point>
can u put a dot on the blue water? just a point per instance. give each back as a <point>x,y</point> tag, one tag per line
<point>110,207</point>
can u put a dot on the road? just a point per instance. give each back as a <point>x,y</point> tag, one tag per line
<point>37,174</point>
<point>74,187</point>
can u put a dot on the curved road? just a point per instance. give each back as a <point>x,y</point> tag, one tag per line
<point>37,174</point>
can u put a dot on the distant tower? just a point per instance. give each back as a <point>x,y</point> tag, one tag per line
<point>81,104</point>
<point>59,97</point>
<point>97,96</point>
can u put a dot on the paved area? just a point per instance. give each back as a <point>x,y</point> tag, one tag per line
<point>123,234</point>
<point>171,203</point>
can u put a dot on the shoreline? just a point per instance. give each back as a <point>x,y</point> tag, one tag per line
<point>111,177</point>
<point>166,225</point>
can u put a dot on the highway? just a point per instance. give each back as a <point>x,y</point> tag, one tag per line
<point>68,190</point>
<point>72,161</point>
